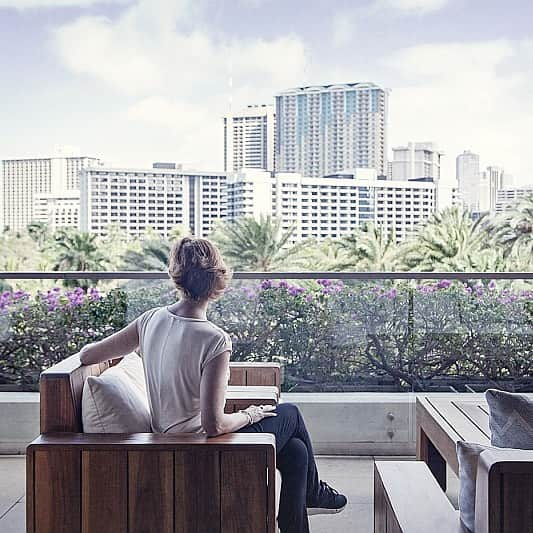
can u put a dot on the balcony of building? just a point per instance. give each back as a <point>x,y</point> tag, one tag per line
<point>356,350</point>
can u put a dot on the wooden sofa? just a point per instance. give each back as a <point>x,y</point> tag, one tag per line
<point>409,496</point>
<point>182,483</point>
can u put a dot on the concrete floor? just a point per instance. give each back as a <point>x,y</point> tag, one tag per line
<point>352,476</point>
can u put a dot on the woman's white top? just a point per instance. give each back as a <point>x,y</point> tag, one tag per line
<point>175,351</point>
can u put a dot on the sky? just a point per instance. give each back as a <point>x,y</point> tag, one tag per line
<point>137,81</point>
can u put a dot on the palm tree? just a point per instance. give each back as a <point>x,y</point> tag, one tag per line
<point>371,249</point>
<point>77,251</point>
<point>320,256</point>
<point>250,244</point>
<point>152,254</point>
<point>514,229</point>
<point>39,232</point>
<point>451,241</point>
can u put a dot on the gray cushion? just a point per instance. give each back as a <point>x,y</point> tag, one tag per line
<point>511,420</point>
<point>468,455</point>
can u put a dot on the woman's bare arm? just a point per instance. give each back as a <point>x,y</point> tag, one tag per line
<point>119,344</point>
<point>212,399</point>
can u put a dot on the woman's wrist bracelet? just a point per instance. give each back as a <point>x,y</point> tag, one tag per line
<point>249,416</point>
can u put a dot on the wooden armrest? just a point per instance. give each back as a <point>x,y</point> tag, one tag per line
<point>151,440</point>
<point>408,499</point>
<point>504,491</point>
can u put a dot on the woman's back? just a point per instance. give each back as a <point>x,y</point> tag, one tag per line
<point>175,350</point>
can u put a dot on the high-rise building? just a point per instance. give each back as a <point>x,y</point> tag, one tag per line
<point>58,210</point>
<point>468,176</point>
<point>508,197</point>
<point>25,179</point>
<point>333,206</point>
<point>492,180</point>
<point>156,198</point>
<point>323,130</point>
<point>416,161</point>
<point>249,138</point>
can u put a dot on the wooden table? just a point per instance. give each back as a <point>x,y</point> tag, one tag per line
<point>442,421</point>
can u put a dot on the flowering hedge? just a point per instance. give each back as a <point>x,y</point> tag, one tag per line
<point>408,335</point>
<point>38,331</point>
<point>329,335</point>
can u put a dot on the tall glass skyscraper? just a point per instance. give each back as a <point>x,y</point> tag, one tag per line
<point>326,129</point>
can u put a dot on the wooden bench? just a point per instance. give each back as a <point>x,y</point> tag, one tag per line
<point>144,482</point>
<point>408,495</point>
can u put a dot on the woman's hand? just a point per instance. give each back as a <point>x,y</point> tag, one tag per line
<point>258,412</point>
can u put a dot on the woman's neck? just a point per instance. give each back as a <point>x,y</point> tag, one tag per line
<point>189,308</point>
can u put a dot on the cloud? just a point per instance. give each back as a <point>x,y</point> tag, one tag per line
<point>172,72</point>
<point>422,6</point>
<point>35,4</point>
<point>343,27</point>
<point>466,96</point>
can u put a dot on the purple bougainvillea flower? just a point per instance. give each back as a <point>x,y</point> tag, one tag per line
<point>94,294</point>
<point>295,291</point>
<point>283,284</point>
<point>391,294</point>
<point>309,298</point>
<point>492,285</point>
<point>266,284</point>
<point>444,284</point>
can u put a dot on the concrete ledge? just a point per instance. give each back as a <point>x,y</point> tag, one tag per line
<point>348,423</point>
<point>19,421</point>
<point>340,423</point>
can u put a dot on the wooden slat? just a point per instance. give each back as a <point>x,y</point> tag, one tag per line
<point>150,492</point>
<point>143,441</point>
<point>477,415</point>
<point>244,487</point>
<point>456,419</point>
<point>30,487</point>
<point>197,492</point>
<point>517,504</point>
<point>442,436</point>
<point>380,508</point>
<point>104,492</point>
<point>261,376</point>
<point>237,375</point>
<point>416,502</point>
<point>57,406</point>
<point>392,523</point>
<point>57,491</point>
<point>248,373</point>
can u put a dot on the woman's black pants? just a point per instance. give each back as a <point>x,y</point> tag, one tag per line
<point>296,463</point>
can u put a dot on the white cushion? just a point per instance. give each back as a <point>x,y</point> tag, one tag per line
<point>116,401</point>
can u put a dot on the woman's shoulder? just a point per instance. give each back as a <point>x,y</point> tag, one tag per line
<point>145,317</point>
<point>217,330</point>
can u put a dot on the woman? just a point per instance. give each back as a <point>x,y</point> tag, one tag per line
<point>186,364</point>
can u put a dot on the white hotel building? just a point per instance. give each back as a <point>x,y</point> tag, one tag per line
<point>332,206</point>
<point>157,198</point>
<point>249,138</point>
<point>41,189</point>
<point>507,198</point>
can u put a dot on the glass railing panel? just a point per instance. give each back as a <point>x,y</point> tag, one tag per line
<point>329,334</point>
